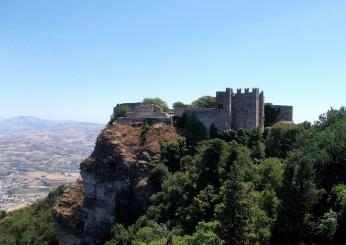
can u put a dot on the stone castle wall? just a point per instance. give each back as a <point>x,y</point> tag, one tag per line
<point>205,115</point>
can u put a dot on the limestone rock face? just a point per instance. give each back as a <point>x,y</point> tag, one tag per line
<point>114,185</point>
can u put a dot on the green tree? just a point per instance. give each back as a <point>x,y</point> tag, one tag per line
<point>280,139</point>
<point>338,201</point>
<point>328,225</point>
<point>157,101</point>
<point>202,206</point>
<point>179,104</point>
<point>204,102</point>
<point>211,156</point>
<point>236,210</point>
<point>193,129</point>
<point>172,152</point>
<point>205,235</point>
<point>324,144</point>
<point>299,195</point>
<point>120,236</point>
<point>332,117</point>
<point>268,184</point>
<point>270,172</point>
<point>169,205</point>
<point>157,176</point>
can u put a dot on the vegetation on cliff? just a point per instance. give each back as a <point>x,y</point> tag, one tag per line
<point>285,186</point>
<point>31,225</point>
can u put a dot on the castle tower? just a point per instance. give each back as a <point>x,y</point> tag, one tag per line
<point>224,109</point>
<point>248,109</point>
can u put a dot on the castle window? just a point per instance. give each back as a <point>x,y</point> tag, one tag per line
<point>220,106</point>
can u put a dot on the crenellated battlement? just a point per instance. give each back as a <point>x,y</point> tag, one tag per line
<point>247,91</point>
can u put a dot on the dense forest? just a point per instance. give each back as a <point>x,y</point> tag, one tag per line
<point>283,186</point>
<point>286,185</point>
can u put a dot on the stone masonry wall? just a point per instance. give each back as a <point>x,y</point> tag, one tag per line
<point>205,115</point>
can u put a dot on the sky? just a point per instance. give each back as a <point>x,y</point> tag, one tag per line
<point>76,59</point>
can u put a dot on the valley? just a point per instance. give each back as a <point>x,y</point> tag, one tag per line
<point>37,155</point>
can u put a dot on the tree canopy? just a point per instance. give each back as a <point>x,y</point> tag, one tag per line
<point>157,101</point>
<point>204,102</point>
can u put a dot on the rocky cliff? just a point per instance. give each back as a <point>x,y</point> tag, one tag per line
<point>114,185</point>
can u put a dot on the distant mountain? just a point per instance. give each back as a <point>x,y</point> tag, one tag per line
<point>30,123</point>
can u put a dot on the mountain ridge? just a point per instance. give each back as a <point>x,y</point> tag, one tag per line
<point>32,123</point>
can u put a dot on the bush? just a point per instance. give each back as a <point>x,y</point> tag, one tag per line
<point>157,175</point>
<point>144,134</point>
<point>172,152</point>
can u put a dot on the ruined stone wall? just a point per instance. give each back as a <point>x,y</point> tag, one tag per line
<point>128,107</point>
<point>139,112</point>
<point>245,109</point>
<point>149,111</point>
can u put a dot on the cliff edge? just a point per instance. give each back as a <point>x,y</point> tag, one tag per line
<point>114,186</point>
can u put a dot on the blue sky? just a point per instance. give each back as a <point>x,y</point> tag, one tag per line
<point>76,59</point>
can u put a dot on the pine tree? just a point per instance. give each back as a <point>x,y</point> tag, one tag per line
<point>235,213</point>
<point>298,195</point>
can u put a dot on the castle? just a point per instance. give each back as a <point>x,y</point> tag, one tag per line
<point>240,110</point>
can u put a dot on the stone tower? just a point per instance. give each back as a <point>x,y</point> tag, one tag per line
<point>248,109</point>
<point>224,109</point>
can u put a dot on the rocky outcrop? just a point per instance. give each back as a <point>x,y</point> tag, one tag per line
<point>68,214</point>
<point>114,181</point>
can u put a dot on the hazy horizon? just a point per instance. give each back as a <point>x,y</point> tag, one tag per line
<point>47,119</point>
<point>75,60</point>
